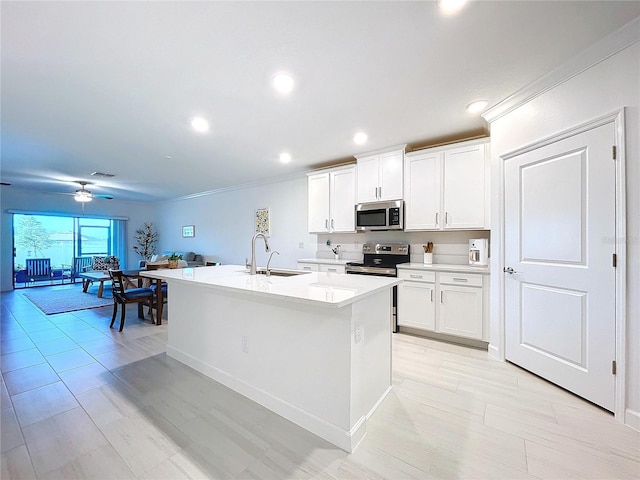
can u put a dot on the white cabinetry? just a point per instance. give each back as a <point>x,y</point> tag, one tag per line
<point>416,300</point>
<point>331,195</point>
<point>311,267</point>
<point>444,302</point>
<point>323,265</point>
<point>380,175</point>
<point>447,188</point>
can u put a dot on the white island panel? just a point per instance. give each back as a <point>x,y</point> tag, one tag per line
<point>325,368</point>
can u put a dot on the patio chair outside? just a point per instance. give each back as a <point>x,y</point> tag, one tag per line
<point>80,265</point>
<point>39,269</point>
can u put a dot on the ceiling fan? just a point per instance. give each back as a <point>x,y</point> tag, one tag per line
<point>83,195</point>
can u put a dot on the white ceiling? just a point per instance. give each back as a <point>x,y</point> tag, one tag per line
<point>112,86</point>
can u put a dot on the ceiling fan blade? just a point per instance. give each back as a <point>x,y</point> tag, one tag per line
<point>105,196</point>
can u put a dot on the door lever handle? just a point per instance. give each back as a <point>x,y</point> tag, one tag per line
<point>509,270</point>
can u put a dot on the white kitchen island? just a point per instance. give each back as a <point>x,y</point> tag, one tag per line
<point>314,348</point>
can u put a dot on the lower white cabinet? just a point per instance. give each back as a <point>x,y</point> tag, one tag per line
<point>444,302</point>
<point>312,267</point>
<point>322,267</point>
<point>416,305</point>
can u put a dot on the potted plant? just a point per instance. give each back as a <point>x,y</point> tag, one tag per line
<point>173,260</point>
<point>146,238</point>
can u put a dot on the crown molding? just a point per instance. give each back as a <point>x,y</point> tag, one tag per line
<point>257,183</point>
<point>596,53</point>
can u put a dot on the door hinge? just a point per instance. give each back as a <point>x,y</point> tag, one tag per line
<point>613,367</point>
<point>615,260</point>
<point>615,152</point>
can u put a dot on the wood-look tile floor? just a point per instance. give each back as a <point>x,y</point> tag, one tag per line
<point>82,401</point>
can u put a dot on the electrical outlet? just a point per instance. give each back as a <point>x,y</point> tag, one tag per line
<point>359,333</point>
<point>245,344</point>
<point>301,245</point>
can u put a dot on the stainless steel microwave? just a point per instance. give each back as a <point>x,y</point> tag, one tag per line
<point>380,216</point>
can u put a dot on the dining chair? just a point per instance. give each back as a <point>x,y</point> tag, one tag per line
<point>154,286</point>
<point>122,296</point>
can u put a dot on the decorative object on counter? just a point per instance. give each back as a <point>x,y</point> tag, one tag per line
<point>188,231</point>
<point>146,239</point>
<point>428,253</point>
<point>336,251</point>
<point>262,221</point>
<point>173,260</point>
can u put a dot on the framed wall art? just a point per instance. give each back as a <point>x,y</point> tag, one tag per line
<point>188,231</point>
<point>263,224</point>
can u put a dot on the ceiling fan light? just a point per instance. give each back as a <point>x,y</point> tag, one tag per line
<point>82,196</point>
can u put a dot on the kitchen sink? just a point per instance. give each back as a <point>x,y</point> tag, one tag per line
<point>281,272</point>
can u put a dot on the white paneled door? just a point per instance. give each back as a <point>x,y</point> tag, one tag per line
<point>559,272</point>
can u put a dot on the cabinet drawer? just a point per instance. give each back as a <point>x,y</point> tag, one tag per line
<point>417,275</point>
<point>470,279</point>
<point>312,267</point>
<point>332,268</point>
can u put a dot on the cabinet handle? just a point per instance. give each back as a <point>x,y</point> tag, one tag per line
<point>446,218</point>
<point>332,269</point>
<point>441,300</point>
<point>379,192</point>
<point>376,194</point>
<point>460,279</point>
<point>306,268</point>
<point>326,223</point>
<point>332,224</point>
<point>415,276</point>
<point>431,295</point>
<point>436,218</point>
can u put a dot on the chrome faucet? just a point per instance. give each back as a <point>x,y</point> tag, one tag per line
<point>270,257</point>
<point>252,267</point>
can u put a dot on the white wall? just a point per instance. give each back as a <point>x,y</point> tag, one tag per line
<point>602,89</point>
<point>28,200</point>
<point>224,223</point>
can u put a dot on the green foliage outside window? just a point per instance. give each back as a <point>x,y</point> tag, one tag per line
<point>31,235</point>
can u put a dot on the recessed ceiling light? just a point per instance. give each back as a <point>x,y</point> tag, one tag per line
<point>199,124</point>
<point>449,7</point>
<point>477,106</point>
<point>285,157</point>
<point>283,82</point>
<point>360,138</point>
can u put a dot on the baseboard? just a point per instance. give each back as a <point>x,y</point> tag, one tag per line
<point>347,440</point>
<point>494,352</point>
<point>632,419</point>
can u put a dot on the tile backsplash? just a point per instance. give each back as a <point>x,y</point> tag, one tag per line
<point>448,247</point>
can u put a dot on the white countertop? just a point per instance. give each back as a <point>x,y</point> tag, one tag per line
<point>325,261</point>
<point>441,267</point>
<point>315,288</point>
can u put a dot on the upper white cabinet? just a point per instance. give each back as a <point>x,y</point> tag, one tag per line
<point>380,175</point>
<point>332,198</point>
<point>448,187</point>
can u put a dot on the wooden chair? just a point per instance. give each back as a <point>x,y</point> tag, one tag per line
<point>80,265</point>
<point>121,296</point>
<point>39,269</point>
<point>154,287</point>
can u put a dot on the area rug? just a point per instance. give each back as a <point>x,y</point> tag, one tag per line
<point>51,300</point>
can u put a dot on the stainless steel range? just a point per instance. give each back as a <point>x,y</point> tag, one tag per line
<point>381,259</point>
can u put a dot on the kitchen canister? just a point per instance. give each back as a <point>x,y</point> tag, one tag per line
<point>428,258</point>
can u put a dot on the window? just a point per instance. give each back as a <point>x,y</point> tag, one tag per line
<point>62,238</point>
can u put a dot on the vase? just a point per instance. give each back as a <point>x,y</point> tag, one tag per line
<point>173,263</point>
<point>428,258</point>
<point>337,255</point>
